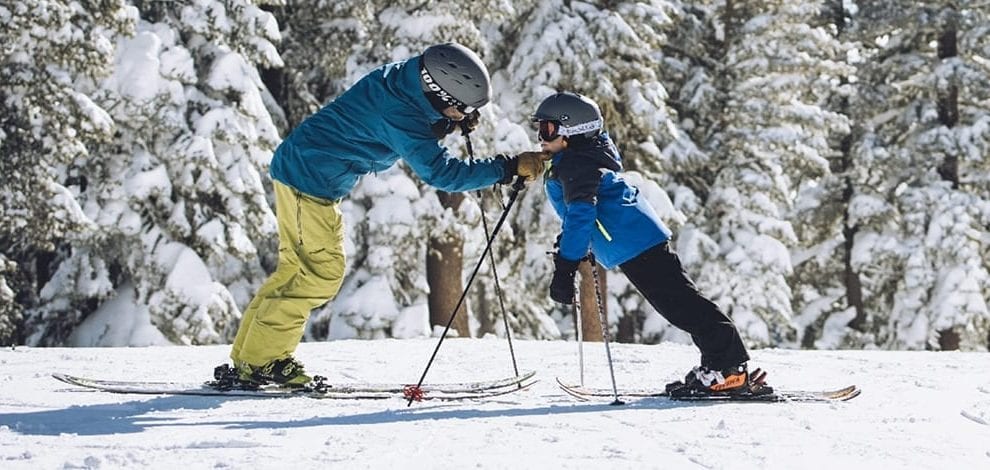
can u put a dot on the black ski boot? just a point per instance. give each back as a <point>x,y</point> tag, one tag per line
<point>286,372</point>
<point>227,377</point>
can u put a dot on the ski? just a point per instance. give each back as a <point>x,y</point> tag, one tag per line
<point>453,391</point>
<point>976,417</point>
<point>586,394</point>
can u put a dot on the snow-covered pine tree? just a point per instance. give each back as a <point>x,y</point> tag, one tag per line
<point>384,290</point>
<point>320,45</point>
<point>46,123</point>
<point>973,135</point>
<point>827,290</point>
<point>11,312</point>
<point>870,218</point>
<point>688,68</point>
<point>779,72</point>
<point>922,198</point>
<point>178,198</point>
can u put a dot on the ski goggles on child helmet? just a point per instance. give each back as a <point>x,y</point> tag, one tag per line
<point>548,130</point>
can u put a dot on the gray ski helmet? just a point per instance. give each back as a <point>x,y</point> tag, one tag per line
<point>453,75</point>
<point>574,114</point>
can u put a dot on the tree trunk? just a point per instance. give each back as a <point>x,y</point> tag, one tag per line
<point>948,115</point>
<point>948,340</point>
<point>850,278</point>
<point>444,263</point>
<point>590,322</point>
<point>734,17</point>
<point>854,286</point>
<point>948,101</point>
<point>629,329</point>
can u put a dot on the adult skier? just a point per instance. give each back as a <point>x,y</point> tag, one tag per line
<point>399,110</point>
<point>603,213</point>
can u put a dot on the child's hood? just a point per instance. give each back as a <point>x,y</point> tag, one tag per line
<point>601,149</point>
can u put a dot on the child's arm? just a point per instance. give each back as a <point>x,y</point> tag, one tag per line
<point>580,179</point>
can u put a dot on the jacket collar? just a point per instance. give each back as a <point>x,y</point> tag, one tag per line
<point>408,88</point>
<point>600,149</point>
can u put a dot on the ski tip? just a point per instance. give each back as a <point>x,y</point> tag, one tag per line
<point>854,392</point>
<point>570,390</point>
<point>843,394</point>
<point>480,395</point>
<point>66,378</point>
<point>526,375</point>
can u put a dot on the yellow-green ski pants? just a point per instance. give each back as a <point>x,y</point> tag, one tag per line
<point>309,274</point>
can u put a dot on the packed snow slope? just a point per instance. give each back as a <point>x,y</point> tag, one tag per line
<point>917,410</point>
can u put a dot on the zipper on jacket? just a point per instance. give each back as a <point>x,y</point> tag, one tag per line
<point>601,228</point>
<point>299,217</point>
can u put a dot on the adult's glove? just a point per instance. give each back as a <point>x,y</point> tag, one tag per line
<point>441,128</point>
<point>470,122</point>
<point>562,283</point>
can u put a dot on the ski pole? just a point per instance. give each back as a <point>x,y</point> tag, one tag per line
<point>601,319</point>
<point>580,335</point>
<point>466,132</point>
<point>414,392</point>
<point>498,291</point>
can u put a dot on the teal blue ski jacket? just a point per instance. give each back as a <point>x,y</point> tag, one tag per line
<point>383,117</point>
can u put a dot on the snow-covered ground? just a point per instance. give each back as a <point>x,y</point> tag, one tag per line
<point>917,410</point>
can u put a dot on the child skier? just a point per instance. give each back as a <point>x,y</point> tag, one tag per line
<point>398,110</point>
<point>600,211</point>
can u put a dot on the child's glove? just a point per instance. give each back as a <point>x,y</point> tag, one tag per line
<point>562,284</point>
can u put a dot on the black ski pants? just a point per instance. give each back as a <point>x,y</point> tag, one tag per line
<point>658,275</point>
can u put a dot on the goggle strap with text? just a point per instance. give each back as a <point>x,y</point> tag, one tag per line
<point>549,130</point>
<point>580,128</point>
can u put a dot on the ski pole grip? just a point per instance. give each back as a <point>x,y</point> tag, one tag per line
<point>519,184</point>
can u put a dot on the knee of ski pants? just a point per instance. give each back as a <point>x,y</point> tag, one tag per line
<point>324,270</point>
<point>322,264</point>
<point>321,246</point>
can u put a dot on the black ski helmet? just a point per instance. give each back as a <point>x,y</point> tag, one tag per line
<point>573,114</point>
<point>453,75</point>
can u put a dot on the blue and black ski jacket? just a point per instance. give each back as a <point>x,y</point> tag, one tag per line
<point>600,210</point>
<point>381,118</point>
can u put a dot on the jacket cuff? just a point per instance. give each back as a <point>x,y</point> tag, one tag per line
<point>564,264</point>
<point>510,167</point>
